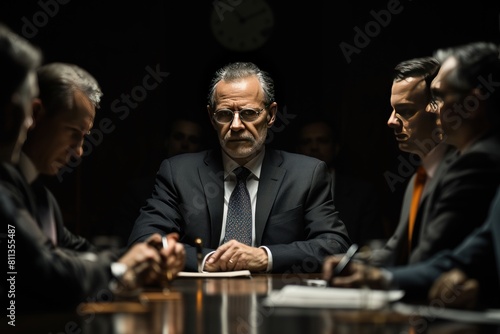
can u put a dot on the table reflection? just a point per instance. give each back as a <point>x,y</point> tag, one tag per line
<point>233,305</point>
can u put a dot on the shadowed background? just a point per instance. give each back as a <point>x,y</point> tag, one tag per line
<point>123,45</point>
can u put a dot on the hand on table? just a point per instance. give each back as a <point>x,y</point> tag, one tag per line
<point>455,289</point>
<point>234,255</point>
<point>354,275</point>
<point>173,257</point>
<point>148,262</point>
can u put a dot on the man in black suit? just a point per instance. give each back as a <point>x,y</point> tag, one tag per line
<point>293,223</point>
<point>62,271</point>
<point>466,96</point>
<point>418,132</point>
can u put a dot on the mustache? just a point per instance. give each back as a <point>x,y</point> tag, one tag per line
<point>230,137</point>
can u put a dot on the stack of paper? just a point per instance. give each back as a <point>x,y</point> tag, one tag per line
<point>317,297</point>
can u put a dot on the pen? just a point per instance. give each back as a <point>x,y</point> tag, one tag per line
<point>199,253</point>
<point>164,241</point>
<point>343,262</point>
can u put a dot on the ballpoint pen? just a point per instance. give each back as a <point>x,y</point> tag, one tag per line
<point>164,241</point>
<point>199,253</point>
<point>168,274</point>
<point>343,262</point>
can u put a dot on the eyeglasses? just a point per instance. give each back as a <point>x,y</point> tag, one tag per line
<point>224,116</point>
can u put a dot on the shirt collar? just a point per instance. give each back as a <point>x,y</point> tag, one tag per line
<point>254,165</point>
<point>433,158</point>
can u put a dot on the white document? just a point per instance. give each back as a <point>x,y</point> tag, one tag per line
<point>489,316</point>
<point>236,273</point>
<point>327,297</point>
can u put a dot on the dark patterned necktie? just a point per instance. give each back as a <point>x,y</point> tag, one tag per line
<point>239,213</point>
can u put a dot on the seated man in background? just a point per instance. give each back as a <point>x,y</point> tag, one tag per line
<point>254,208</point>
<point>465,96</point>
<point>185,135</point>
<point>355,199</point>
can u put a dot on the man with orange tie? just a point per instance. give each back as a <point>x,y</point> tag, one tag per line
<point>417,132</point>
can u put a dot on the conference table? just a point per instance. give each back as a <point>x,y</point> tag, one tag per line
<point>228,305</point>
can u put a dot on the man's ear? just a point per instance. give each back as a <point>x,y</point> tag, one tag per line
<point>38,112</point>
<point>475,110</point>
<point>271,116</point>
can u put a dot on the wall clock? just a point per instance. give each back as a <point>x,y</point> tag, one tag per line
<point>243,26</point>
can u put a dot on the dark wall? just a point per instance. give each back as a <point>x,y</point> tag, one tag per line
<point>121,45</point>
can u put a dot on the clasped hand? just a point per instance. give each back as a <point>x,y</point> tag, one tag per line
<point>148,262</point>
<point>234,255</point>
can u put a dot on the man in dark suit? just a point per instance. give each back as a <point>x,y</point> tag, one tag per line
<point>356,199</point>
<point>60,272</point>
<point>417,132</point>
<point>466,97</point>
<point>293,222</point>
<point>62,116</point>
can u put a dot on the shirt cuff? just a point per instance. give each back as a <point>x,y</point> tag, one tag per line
<point>205,260</point>
<point>388,279</point>
<point>269,259</point>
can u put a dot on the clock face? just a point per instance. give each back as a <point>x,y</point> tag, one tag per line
<point>243,27</point>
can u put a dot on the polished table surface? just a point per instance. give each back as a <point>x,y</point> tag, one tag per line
<point>227,305</point>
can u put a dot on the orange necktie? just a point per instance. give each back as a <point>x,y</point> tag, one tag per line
<point>415,201</point>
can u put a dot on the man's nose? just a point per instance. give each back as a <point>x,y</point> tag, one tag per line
<point>236,123</point>
<point>393,121</point>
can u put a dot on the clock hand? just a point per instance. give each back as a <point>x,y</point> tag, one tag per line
<point>238,15</point>
<point>248,17</point>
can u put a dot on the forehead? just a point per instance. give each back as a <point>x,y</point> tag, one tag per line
<point>444,71</point>
<point>82,109</point>
<point>408,90</point>
<point>33,84</point>
<point>243,89</point>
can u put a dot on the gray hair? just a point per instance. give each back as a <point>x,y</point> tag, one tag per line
<point>59,81</point>
<point>477,62</point>
<point>238,70</point>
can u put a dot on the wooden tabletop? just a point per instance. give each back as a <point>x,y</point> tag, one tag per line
<point>226,305</point>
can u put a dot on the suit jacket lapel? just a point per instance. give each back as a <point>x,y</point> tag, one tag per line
<point>405,209</point>
<point>212,179</point>
<point>271,177</point>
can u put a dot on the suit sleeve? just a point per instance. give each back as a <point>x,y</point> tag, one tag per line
<point>161,213</point>
<point>46,276</point>
<point>472,178</point>
<point>476,256</point>
<point>324,232</point>
<point>388,254</point>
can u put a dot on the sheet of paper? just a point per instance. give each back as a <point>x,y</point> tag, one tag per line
<point>327,297</point>
<point>489,316</point>
<point>236,273</point>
